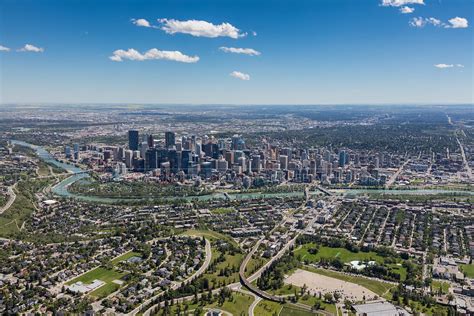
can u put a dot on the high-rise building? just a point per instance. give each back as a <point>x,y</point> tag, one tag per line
<point>67,151</point>
<point>170,139</point>
<point>133,140</point>
<point>150,140</point>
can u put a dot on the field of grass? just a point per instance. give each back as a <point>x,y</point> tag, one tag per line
<point>341,253</point>
<point>438,286</point>
<point>378,287</point>
<point>289,310</point>
<point>267,308</point>
<point>222,210</point>
<point>230,261</point>
<point>105,290</point>
<point>125,256</point>
<point>468,270</point>
<point>12,219</point>
<point>99,273</point>
<point>346,256</point>
<point>238,306</point>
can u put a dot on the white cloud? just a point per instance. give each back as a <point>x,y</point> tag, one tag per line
<point>421,22</point>
<point>132,54</point>
<point>245,51</point>
<point>458,23</point>
<point>407,10</point>
<point>200,28</point>
<point>4,49</point>
<point>141,22</point>
<point>239,75</point>
<point>31,48</point>
<point>400,3</point>
<point>444,66</point>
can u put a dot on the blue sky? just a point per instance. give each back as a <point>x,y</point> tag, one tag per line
<point>311,52</point>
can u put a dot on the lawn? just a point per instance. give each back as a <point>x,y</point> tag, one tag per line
<point>468,270</point>
<point>223,210</point>
<point>99,273</point>
<point>341,253</point>
<point>439,286</point>
<point>254,264</point>
<point>289,310</point>
<point>125,256</point>
<point>238,306</point>
<point>346,256</point>
<point>105,290</point>
<point>230,261</point>
<point>378,287</point>
<point>267,308</point>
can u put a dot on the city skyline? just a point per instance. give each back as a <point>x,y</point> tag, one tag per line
<point>320,52</point>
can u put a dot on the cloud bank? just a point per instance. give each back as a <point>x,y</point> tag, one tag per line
<point>154,53</point>
<point>245,51</point>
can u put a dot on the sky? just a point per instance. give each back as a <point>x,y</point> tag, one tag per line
<point>237,52</point>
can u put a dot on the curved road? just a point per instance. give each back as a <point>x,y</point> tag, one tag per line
<point>12,198</point>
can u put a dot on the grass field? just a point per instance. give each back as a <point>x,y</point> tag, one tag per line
<point>102,274</point>
<point>289,310</point>
<point>378,287</point>
<point>267,308</point>
<point>222,210</point>
<point>99,273</point>
<point>125,256</point>
<point>341,253</point>
<point>436,286</point>
<point>346,256</point>
<point>468,270</point>
<point>238,306</point>
<point>254,264</point>
<point>230,261</point>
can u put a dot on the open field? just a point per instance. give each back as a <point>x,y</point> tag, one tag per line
<point>440,286</point>
<point>289,310</point>
<point>103,274</point>
<point>99,273</point>
<point>320,283</point>
<point>341,253</point>
<point>125,256</point>
<point>378,287</point>
<point>468,270</point>
<point>267,308</point>
<point>239,305</point>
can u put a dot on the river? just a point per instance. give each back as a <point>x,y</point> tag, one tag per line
<point>61,189</point>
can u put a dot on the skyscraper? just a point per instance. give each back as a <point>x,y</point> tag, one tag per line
<point>133,140</point>
<point>170,139</point>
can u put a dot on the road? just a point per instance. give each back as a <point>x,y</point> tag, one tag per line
<point>11,199</point>
<point>176,285</point>
<point>394,177</point>
<point>465,162</point>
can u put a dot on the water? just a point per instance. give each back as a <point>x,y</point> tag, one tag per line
<point>61,189</point>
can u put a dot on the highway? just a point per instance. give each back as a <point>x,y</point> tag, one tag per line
<point>11,199</point>
<point>464,159</point>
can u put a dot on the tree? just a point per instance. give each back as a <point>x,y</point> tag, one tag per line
<point>328,298</point>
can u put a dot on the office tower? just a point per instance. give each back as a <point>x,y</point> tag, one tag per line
<point>151,159</point>
<point>170,139</point>
<point>222,165</point>
<point>238,143</point>
<point>229,156</point>
<point>255,164</point>
<point>67,151</point>
<point>206,169</point>
<point>284,162</point>
<point>185,160</point>
<point>173,160</point>
<point>120,154</point>
<point>143,148</point>
<point>76,148</point>
<point>133,140</point>
<point>342,158</point>
<point>128,158</point>
<point>150,141</point>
